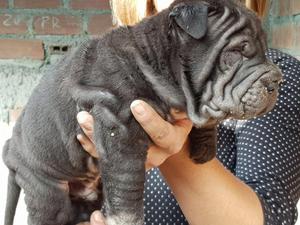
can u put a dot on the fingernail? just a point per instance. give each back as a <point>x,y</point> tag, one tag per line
<point>98,216</point>
<point>82,117</point>
<point>79,137</point>
<point>137,107</point>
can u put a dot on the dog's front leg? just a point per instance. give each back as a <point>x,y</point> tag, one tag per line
<point>203,143</point>
<point>122,147</point>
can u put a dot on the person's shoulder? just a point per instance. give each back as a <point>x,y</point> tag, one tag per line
<point>290,67</point>
<point>281,59</point>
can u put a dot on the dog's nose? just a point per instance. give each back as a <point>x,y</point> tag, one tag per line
<point>272,81</point>
<point>272,87</point>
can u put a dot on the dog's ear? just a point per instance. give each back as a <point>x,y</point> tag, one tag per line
<point>192,18</point>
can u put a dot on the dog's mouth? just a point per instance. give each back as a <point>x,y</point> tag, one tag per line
<point>239,93</point>
<point>246,98</point>
<point>261,97</point>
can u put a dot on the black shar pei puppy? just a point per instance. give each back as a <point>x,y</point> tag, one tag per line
<point>202,57</point>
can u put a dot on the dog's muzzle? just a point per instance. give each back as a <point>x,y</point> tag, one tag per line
<point>241,95</point>
<point>261,96</point>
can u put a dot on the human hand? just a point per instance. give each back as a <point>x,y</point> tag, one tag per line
<point>168,138</point>
<point>96,219</point>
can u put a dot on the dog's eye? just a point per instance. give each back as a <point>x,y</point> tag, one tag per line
<point>247,49</point>
<point>244,47</point>
<point>231,57</point>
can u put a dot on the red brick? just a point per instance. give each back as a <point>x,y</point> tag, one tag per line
<point>90,4</point>
<point>284,36</point>
<point>99,24</point>
<point>13,24</point>
<point>19,49</point>
<point>57,25</point>
<point>33,4</point>
<point>3,3</point>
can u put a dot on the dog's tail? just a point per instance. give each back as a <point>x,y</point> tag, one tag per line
<point>13,193</point>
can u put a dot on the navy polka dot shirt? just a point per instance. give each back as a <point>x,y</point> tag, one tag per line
<point>263,152</point>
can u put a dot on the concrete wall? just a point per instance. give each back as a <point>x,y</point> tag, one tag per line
<point>284,26</point>
<point>34,34</point>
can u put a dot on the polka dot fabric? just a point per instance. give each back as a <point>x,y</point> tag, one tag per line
<point>263,152</point>
<point>160,206</point>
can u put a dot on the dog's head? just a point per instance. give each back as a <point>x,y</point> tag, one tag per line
<point>224,70</point>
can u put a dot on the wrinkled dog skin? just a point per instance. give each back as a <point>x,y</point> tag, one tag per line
<point>202,57</point>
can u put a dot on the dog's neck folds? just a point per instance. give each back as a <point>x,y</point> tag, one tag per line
<point>153,55</point>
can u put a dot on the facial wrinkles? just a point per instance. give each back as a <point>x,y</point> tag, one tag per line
<point>228,91</point>
<point>221,98</point>
<point>217,32</point>
<point>162,86</point>
<point>222,94</point>
<point>247,70</point>
<point>250,71</point>
<point>217,48</point>
<point>240,89</point>
<point>198,80</point>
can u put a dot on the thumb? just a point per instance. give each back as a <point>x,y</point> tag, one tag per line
<point>97,218</point>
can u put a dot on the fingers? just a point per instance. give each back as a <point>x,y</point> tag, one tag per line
<point>97,218</point>
<point>86,122</point>
<point>162,133</point>
<point>88,145</point>
<point>169,138</point>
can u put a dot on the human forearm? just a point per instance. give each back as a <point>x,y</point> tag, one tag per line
<point>209,194</point>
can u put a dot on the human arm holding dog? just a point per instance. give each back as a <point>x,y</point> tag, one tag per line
<point>194,184</point>
<point>160,131</point>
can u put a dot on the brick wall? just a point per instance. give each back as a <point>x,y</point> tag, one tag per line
<point>284,26</point>
<point>29,27</point>
<point>34,34</point>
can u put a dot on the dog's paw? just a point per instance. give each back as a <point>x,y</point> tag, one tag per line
<point>203,144</point>
<point>203,153</point>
